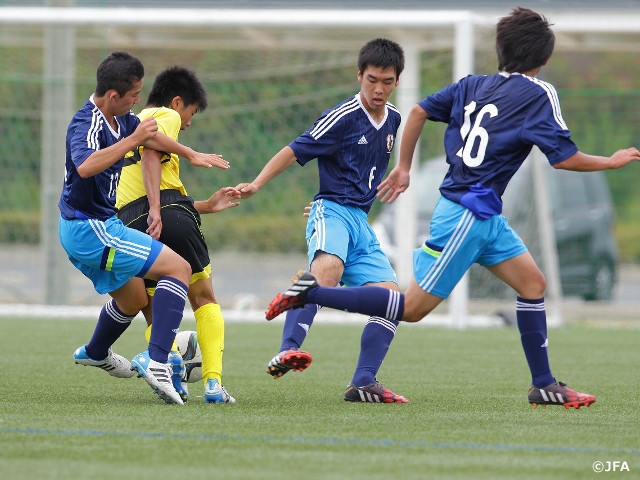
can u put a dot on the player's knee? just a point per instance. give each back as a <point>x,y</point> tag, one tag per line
<point>133,303</point>
<point>183,271</point>
<point>534,287</point>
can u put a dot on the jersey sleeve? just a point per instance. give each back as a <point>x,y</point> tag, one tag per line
<point>439,104</point>
<point>545,128</point>
<point>323,139</point>
<point>168,121</point>
<point>83,140</point>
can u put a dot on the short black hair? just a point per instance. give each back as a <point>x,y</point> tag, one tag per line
<point>119,71</point>
<point>524,41</point>
<point>177,81</point>
<point>382,53</point>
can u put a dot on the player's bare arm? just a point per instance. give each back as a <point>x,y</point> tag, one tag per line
<point>163,143</point>
<point>399,178</point>
<point>278,164</point>
<point>221,200</point>
<point>151,174</point>
<point>582,162</point>
<point>102,159</point>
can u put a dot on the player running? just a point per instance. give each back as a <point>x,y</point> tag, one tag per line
<point>493,123</point>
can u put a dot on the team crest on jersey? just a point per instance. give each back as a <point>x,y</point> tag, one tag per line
<point>389,142</point>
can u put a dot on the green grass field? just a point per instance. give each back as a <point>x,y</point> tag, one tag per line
<point>468,418</point>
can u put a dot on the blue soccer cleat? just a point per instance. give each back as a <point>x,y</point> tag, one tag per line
<point>178,374</point>
<point>216,393</point>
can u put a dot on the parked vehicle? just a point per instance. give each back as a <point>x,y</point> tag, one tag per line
<point>583,220</point>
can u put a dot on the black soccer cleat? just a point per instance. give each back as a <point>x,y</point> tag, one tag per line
<point>559,393</point>
<point>292,359</point>
<point>372,393</point>
<point>294,296</point>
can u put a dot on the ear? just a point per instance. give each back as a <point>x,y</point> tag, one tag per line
<point>176,102</point>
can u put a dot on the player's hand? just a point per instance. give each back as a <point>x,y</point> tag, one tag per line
<point>145,130</point>
<point>247,190</point>
<point>392,186</point>
<point>307,209</point>
<point>622,157</point>
<point>220,200</point>
<point>154,222</point>
<point>208,160</point>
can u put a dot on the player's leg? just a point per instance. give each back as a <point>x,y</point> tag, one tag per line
<point>112,322</point>
<point>367,264</point>
<point>521,273</point>
<point>172,273</point>
<point>327,245</point>
<point>210,331</point>
<point>166,287</point>
<point>110,264</point>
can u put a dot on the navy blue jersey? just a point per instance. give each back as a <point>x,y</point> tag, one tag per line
<point>89,131</point>
<point>493,123</point>
<point>353,151</point>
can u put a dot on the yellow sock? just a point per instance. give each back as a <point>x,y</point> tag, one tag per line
<point>210,330</point>
<point>147,335</point>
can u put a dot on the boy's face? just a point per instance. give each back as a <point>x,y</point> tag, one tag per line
<point>376,86</point>
<point>121,105</point>
<point>186,112</point>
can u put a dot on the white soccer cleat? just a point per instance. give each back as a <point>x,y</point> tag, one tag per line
<point>158,376</point>
<point>114,364</point>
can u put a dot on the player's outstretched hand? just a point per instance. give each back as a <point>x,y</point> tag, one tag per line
<point>221,200</point>
<point>207,160</point>
<point>392,186</point>
<point>624,156</point>
<point>247,190</point>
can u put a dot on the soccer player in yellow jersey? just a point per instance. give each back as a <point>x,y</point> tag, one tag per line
<point>152,198</point>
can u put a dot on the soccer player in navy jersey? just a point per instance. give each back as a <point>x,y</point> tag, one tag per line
<point>352,142</point>
<point>113,256</point>
<point>493,123</point>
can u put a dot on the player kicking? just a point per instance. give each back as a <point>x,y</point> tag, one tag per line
<point>113,256</point>
<point>493,123</point>
<point>352,143</point>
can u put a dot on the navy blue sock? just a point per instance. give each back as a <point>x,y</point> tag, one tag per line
<point>532,323</point>
<point>296,326</point>
<point>374,345</point>
<point>373,301</point>
<point>111,324</point>
<point>168,307</point>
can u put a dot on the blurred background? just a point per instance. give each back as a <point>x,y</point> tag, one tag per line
<point>267,84</point>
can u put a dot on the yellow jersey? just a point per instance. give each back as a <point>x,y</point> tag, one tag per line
<point>131,185</point>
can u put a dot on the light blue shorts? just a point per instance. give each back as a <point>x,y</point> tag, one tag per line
<point>345,232</point>
<point>456,241</point>
<point>107,252</point>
